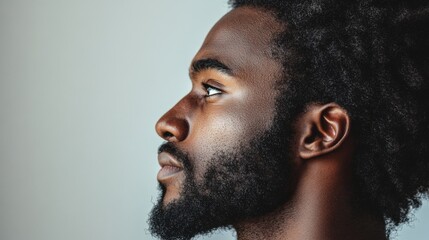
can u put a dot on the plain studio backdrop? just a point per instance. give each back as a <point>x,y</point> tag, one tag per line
<point>82,84</point>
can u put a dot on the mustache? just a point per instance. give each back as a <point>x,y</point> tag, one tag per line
<point>176,152</point>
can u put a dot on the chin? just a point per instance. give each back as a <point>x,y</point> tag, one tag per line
<point>169,198</point>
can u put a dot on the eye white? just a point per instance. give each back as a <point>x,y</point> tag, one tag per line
<point>212,91</point>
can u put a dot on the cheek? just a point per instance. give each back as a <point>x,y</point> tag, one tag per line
<point>226,126</point>
<point>214,133</point>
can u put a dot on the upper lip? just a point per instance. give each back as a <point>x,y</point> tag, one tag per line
<point>166,159</point>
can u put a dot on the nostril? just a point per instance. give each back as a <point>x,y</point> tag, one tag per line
<point>172,128</point>
<point>167,135</point>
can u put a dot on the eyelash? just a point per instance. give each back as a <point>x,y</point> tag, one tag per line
<point>207,87</point>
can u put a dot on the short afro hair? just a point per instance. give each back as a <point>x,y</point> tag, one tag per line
<point>371,58</point>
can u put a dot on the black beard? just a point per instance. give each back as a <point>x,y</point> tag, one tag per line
<point>248,182</point>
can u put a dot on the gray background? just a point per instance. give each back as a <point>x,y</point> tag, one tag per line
<point>82,84</point>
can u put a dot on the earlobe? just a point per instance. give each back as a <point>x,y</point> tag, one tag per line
<point>323,128</point>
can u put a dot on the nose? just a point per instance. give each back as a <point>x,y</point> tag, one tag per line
<point>173,125</point>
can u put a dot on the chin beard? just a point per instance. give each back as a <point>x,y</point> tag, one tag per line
<point>248,182</point>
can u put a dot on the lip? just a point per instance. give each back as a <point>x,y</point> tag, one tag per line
<point>170,167</point>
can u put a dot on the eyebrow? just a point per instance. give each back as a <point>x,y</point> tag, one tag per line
<point>210,63</point>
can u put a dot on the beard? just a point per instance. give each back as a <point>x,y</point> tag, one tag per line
<point>250,181</point>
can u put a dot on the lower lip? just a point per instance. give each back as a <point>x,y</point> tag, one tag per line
<point>167,172</point>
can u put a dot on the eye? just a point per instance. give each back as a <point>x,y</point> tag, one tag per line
<point>211,91</point>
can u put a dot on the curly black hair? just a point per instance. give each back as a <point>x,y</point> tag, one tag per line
<point>371,58</point>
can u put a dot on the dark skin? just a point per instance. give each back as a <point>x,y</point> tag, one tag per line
<point>232,98</point>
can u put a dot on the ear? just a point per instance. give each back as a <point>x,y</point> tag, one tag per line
<point>323,129</point>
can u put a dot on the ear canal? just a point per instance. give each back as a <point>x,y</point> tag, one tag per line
<point>314,141</point>
<point>324,128</point>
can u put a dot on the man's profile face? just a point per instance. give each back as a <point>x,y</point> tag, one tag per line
<point>225,159</point>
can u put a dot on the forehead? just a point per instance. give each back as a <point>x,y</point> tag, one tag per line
<point>242,39</point>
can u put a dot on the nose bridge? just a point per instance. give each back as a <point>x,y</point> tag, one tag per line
<point>174,125</point>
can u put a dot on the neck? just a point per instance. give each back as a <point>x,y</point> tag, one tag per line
<point>321,209</point>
